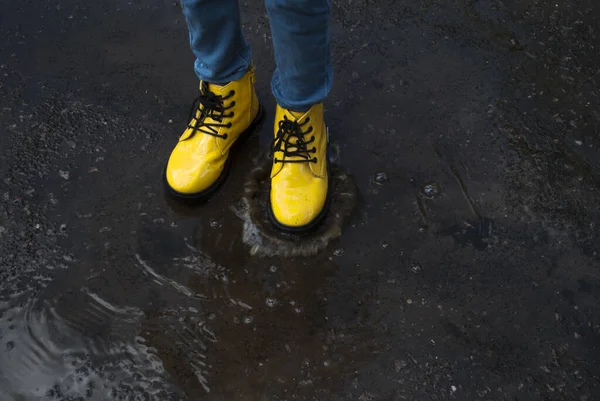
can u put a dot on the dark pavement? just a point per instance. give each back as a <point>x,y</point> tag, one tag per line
<point>470,270</point>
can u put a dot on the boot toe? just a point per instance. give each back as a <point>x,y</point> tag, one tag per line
<point>296,210</point>
<point>191,177</point>
<point>180,181</point>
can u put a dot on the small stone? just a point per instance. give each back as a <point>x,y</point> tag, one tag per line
<point>366,397</point>
<point>577,335</point>
<point>415,268</point>
<point>385,245</point>
<point>453,389</point>
<point>380,178</point>
<point>273,269</point>
<point>338,252</point>
<point>409,301</point>
<point>579,143</point>
<point>431,190</point>
<point>64,174</point>
<point>248,319</point>
<point>271,302</point>
<point>399,365</point>
<point>9,346</point>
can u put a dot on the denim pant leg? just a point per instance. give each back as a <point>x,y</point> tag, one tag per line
<point>216,38</point>
<point>301,38</point>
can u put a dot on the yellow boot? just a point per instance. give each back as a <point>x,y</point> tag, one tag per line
<point>222,116</point>
<point>299,176</point>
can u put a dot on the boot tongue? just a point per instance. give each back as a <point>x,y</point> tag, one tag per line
<point>207,87</point>
<point>297,115</point>
<point>210,90</point>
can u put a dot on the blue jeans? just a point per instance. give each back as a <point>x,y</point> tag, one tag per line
<point>301,38</point>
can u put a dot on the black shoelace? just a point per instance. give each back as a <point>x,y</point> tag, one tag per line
<point>289,130</point>
<point>213,107</point>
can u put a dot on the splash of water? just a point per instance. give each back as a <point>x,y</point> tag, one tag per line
<point>264,240</point>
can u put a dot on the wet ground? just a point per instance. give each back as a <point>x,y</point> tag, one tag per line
<point>470,270</point>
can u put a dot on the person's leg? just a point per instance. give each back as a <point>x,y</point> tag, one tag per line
<point>301,82</point>
<point>216,38</point>
<point>226,111</point>
<point>301,38</point>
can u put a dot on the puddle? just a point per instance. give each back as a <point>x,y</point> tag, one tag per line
<point>186,328</point>
<point>77,345</point>
<point>262,320</point>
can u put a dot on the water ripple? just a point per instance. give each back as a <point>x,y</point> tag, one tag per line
<point>78,345</point>
<point>162,280</point>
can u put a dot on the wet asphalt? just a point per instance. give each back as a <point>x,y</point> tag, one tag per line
<point>468,271</point>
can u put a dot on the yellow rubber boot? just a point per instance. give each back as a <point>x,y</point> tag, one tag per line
<point>222,116</point>
<point>299,176</point>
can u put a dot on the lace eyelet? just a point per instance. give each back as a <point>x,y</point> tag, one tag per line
<point>307,120</point>
<point>315,160</point>
<point>229,125</point>
<point>231,93</point>
<point>275,161</point>
<point>231,114</point>
<point>224,136</point>
<point>314,150</point>
<point>309,129</point>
